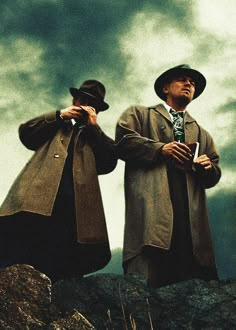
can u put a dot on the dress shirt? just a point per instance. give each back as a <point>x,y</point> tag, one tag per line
<point>167,107</point>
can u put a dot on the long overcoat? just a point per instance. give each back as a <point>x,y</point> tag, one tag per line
<point>140,134</point>
<point>35,189</point>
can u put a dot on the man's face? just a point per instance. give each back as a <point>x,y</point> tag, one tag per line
<point>80,101</point>
<point>86,101</point>
<point>182,87</point>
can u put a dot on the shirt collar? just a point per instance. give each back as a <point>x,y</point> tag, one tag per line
<point>167,107</point>
<point>80,126</point>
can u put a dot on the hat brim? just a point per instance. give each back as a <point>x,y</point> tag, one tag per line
<point>101,105</point>
<point>198,78</point>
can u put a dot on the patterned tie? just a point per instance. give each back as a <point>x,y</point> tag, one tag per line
<point>178,122</point>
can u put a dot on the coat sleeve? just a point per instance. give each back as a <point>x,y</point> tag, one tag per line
<point>209,178</point>
<point>103,149</point>
<point>35,132</point>
<point>131,144</point>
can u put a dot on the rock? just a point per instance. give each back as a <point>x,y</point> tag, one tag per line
<point>25,297</point>
<point>71,322</point>
<point>25,302</point>
<point>113,302</point>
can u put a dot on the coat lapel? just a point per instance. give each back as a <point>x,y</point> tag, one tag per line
<point>162,110</point>
<point>191,126</point>
<point>191,129</point>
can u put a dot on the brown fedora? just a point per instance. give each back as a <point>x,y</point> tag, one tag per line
<point>95,90</point>
<point>179,70</point>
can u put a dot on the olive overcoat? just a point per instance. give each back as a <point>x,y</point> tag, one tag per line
<point>140,134</point>
<point>35,188</point>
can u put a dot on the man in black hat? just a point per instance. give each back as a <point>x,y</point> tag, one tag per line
<point>53,217</point>
<point>170,161</point>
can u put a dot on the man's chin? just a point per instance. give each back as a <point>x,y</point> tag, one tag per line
<point>185,99</point>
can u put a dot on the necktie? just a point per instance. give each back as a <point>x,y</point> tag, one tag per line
<point>178,122</point>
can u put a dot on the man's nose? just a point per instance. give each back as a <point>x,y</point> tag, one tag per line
<point>187,82</point>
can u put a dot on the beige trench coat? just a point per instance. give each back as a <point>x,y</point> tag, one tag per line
<point>36,187</point>
<point>140,134</point>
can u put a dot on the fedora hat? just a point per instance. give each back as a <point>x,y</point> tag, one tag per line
<point>179,70</point>
<point>95,90</point>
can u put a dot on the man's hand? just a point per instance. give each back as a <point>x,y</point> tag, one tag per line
<point>71,112</point>
<point>74,112</point>
<point>92,115</point>
<point>203,162</point>
<point>178,151</point>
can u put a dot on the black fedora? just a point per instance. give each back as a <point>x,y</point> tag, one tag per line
<point>95,90</point>
<point>179,70</point>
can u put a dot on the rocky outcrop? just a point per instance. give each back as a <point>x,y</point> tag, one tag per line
<point>109,301</point>
<point>25,302</point>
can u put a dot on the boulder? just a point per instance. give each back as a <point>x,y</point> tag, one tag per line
<point>28,300</point>
<point>112,301</point>
<point>25,302</point>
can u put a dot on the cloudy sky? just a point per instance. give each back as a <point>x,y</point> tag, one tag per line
<point>48,46</point>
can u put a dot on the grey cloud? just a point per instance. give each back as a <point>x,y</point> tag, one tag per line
<point>222,210</point>
<point>229,107</point>
<point>77,40</point>
<point>222,206</point>
<point>207,46</point>
<point>228,155</point>
<point>228,152</point>
<point>79,37</point>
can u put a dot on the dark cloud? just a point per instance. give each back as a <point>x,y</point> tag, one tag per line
<point>222,206</point>
<point>222,210</point>
<point>207,46</point>
<point>79,38</point>
<point>228,154</point>
<point>228,151</point>
<point>229,107</point>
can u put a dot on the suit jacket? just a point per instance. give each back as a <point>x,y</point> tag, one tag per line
<point>140,134</point>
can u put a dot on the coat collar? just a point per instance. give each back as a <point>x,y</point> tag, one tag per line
<point>188,118</point>
<point>162,110</point>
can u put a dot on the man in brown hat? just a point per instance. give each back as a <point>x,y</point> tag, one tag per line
<point>167,233</point>
<point>53,217</point>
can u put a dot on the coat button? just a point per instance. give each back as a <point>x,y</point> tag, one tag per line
<point>56,156</point>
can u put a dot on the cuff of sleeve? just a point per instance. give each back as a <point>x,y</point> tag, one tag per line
<point>159,156</point>
<point>58,116</point>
